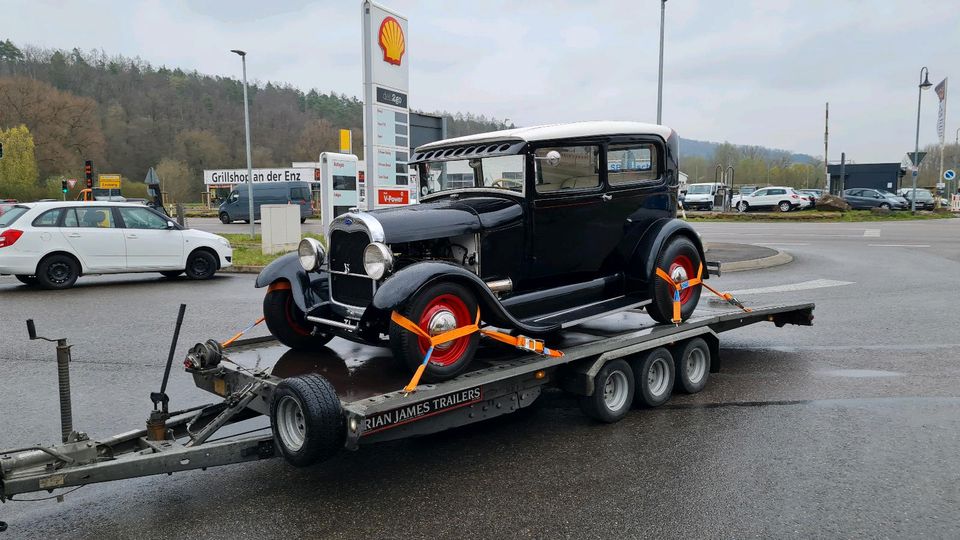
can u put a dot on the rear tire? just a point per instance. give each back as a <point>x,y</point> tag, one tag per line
<point>692,366</point>
<point>679,258</point>
<point>225,218</point>
<point>654,374</point>
<point>57,272</point>
<point>613,393</point>
<point>785,206</point>
<point>201,265</point>
<point>289,325</point>
<point>307,420</point>
<point>443,306</point>
<point>26,280</point>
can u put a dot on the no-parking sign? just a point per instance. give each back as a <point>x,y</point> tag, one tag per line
<point>949,174</point>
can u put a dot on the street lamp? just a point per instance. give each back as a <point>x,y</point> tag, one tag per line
<point>924,84</point>
<point>246,119</point>
<point>663,7</point>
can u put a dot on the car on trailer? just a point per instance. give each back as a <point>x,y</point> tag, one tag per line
<point>556,225</point>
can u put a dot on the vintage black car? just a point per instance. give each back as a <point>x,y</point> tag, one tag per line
<point>539,228</point>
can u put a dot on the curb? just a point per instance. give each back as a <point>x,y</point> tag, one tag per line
<point>780,258</point>
<point>241,269</point>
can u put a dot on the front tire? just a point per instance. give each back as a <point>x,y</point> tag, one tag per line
<point>680,259</point>
<point>201,265</point>
<point>438,308</point>
<point>307,420</point>
<point>885,206</point>
<point>288,324</point>
<point>743,207</point>
<point>613,393</point>
<point>57,272</point>
<point>225,218</point>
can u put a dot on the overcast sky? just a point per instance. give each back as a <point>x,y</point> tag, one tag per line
<point>749,72</point>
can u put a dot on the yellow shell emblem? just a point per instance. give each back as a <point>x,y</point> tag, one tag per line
<point>392,41</point>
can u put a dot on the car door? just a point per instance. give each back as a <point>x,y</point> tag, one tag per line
<point>567,241</point>
<point>757,199</point>
<point>151,244</point>
<point>858,199</point>
<point>93,234</point>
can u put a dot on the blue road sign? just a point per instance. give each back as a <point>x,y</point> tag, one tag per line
<point>949,174</point>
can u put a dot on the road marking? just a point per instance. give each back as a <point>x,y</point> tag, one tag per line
<point>782,244</point>
<point>871,233</point>
<point>900,245</point>
<point>802,286</point>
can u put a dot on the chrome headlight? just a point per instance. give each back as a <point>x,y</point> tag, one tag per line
<point>377,260</point>
<point>311,254</point>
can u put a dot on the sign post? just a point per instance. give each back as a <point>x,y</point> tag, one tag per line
<point>386,111</point>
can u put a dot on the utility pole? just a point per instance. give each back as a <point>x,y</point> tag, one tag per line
<point>246,119</point>
<point>663,7</point>
<point>826,140</point>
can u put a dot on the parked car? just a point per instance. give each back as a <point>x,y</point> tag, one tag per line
<point>781,198</point>
<point>700,196</point>
<point>925,200</point>
<point>865,198</point>
<point>237,205</point>
<point>6,204</point>
<point>51,244</point>
<point>577,239</point>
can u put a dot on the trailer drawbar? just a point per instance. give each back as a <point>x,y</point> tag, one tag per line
<point>318,405</point>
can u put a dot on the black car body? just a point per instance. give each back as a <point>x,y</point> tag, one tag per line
<point>537,228</point>
<point>925,200</point>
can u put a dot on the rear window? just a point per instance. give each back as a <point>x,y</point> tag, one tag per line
<point>301,193</point>
<point>11,214</point>
<point>50,218</point>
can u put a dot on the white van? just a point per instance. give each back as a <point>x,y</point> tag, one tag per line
<point>700,196</point>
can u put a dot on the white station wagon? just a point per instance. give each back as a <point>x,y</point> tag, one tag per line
<point>51,244</point>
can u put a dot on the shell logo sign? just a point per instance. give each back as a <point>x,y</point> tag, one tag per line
<point>392,41</point>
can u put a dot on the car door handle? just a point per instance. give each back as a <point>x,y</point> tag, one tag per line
<point>132,236</point>
<point>74,235</point>
<point>606,196</point>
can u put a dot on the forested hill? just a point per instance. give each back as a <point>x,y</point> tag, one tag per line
<point>128,115</point>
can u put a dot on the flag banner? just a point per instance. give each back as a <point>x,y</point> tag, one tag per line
<point>941,90</point>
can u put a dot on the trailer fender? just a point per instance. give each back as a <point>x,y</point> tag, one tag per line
<point>653,240</point>
<point>309,289</point>
<point>399,288</point>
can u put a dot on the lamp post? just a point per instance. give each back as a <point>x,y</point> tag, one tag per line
<point>246,119</point>
<point>924,84</point>
<point>663,7</point>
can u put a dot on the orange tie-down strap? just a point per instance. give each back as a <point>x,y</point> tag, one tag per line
<point>521,342</point>
<point>677,287</point>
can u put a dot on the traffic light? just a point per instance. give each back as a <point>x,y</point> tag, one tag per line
<point>63,186</point>
<point>88,172</point>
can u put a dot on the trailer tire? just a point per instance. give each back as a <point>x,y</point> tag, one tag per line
<point>654,373</point>
<point>612,393</point>
<point>692,366</point>
<point>307,420</point>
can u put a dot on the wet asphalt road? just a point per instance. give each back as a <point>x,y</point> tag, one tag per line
<point>847,428</point>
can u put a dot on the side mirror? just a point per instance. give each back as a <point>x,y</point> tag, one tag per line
<point>171,225</point>
<point>552,158</point>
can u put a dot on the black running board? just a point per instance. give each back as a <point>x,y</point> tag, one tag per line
<point>582,314</point>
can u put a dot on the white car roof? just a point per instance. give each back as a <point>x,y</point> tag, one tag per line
<point>60,204</point>
<point>558,131</point>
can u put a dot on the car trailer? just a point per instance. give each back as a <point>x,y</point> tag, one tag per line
<point>314,412</point>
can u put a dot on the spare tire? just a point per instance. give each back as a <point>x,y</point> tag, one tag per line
<point>307,420</point>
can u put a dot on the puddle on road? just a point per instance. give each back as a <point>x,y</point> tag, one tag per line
<point>859,373</point>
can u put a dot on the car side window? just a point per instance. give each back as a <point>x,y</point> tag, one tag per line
<point>578,168</point>
<point>628,164</point>
<point>141,218</point>
<point>50,218</point>
<point>759,193</point>
<point>96,217</point>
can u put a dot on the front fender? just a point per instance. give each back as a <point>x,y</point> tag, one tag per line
<point>399,288</point>
<point>653,240</point>
<point>309,288</point>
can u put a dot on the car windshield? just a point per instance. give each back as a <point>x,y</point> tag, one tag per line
<point>10,214</point>
<point>699,188</point>
<point>498,172</point>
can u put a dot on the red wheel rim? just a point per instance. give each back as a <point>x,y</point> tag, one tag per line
<point>291,319</point>
<point>684,264</point>
<point>450,352</point>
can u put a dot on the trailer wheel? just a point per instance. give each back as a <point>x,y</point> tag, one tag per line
<point>693,366</point>
<point>654,375</point>
<point>613,389</point>
<point>307,420</point>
